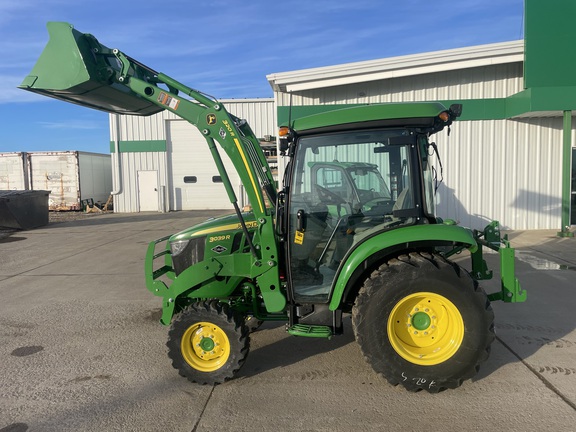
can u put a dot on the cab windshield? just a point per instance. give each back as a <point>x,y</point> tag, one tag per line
<point>345,187</point>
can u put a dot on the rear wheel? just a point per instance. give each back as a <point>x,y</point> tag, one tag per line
<point>423,322</point>
<point>207,343</point>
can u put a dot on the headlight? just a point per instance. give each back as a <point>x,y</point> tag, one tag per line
<point>186,253</point>
<point>178,246</point>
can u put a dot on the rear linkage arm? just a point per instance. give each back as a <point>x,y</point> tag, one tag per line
<point>489,237</point>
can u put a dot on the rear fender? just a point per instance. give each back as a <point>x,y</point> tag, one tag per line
<point>394,241</point>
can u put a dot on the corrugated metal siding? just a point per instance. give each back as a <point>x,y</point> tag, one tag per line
<point>131,163</point>
<point>260,113</point>
<point>188,155</point>
<point>508,170</point>
<point>476,83</point>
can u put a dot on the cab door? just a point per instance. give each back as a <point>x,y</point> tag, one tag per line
<point>328,217</point>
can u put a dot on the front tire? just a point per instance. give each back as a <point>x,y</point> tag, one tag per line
<point>423,322</point>
<point>208,343</point>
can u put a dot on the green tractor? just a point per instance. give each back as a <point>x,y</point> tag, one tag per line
<point>352,230</point>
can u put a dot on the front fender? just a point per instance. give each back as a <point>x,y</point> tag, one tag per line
<point>406,238</point>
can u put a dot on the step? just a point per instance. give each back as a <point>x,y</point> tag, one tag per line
<point>317,331</point>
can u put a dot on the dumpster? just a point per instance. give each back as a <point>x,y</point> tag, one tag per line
<point>23,209</point>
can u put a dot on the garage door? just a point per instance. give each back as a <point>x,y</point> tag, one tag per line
<point>195,182</point>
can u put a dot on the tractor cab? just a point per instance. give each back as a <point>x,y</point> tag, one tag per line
<point>346,185</point>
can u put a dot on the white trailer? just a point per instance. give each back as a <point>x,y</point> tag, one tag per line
<point>13,171</point>
<point>70,176</point>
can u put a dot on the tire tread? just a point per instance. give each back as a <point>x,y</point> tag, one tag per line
<point>395,267</point>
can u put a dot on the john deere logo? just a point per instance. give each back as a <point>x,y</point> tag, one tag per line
<point>219,249</point>
<point>211,119</point>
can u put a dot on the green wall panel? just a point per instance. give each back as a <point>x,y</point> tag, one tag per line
<point>550,48</point>
<point>140,146</point>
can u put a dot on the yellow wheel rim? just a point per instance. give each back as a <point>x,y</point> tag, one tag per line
<point>205,346</point>
<point>425,328</point>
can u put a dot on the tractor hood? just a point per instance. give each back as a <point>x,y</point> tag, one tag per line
<point>227,224</point>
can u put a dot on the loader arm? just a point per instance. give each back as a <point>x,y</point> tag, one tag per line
<point>210,117</point>
<point>76,68</point>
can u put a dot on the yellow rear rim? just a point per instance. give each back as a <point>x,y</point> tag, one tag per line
<point>205,346</point>
<point>425,328</point>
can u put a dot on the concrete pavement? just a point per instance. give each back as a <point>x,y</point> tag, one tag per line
<point>81,349</point>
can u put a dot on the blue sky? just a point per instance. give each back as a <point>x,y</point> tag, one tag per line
<point>223,47</point>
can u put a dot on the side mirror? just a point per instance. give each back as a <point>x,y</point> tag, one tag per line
<point>283,147</point>
<point>285,138</point>
<point>456,110</point>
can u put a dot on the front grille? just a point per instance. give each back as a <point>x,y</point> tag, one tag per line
<point>192,254</point>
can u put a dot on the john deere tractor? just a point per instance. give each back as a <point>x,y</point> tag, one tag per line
<point>352,230</point>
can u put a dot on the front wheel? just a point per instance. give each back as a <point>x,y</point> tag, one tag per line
<point>208,343</point>
<point>423,322</point>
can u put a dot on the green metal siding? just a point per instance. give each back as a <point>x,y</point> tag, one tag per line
<point>550,51</point>
<point>139,146</point>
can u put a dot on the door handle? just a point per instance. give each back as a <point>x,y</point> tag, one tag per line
<point>301,220</point>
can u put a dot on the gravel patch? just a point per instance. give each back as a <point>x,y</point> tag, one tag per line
<point>68,216</point>
<point>55,217</point>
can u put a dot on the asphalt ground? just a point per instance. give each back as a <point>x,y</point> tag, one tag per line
<point>81,349</point>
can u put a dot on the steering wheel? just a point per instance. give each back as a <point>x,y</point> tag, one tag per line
<point>329,197</point>
<point>375,202</point>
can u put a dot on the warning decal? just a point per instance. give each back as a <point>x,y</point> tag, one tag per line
<point>168,100</point>
<point>299,237</point>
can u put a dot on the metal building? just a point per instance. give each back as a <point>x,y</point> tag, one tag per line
<point>162,163</point>
<point>489,165</point>
<point>509,156</point>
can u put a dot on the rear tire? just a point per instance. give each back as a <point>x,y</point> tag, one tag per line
<point>208,343</point>
<point>423,322</point>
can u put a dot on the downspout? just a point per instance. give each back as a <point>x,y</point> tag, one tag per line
<point>118,174</point>
<point>566,175</point>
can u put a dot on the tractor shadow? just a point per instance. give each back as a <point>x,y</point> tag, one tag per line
<point>539,333</point>
<point>272,348</point>
<point>535,337</point>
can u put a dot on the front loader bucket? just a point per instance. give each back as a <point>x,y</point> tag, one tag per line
<point>74,69</point>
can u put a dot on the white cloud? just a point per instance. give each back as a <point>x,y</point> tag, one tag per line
<point>72,124</point>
